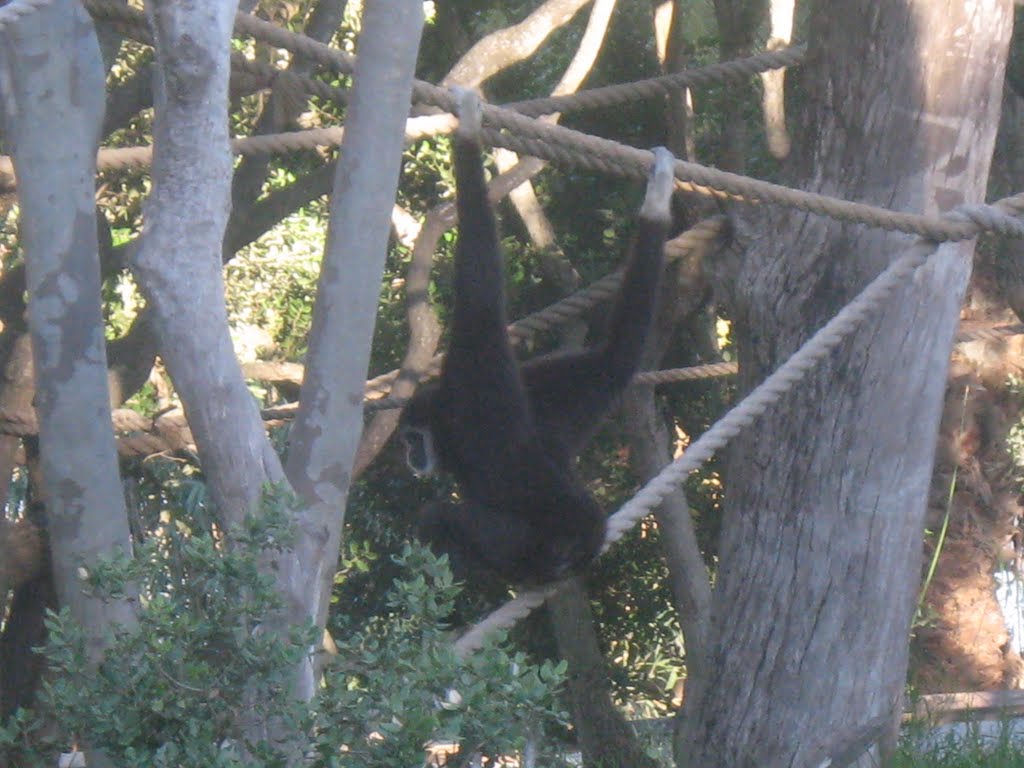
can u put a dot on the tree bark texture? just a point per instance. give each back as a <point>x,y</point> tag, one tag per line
<point>605,738</point>
<point>826,494</point>
<point>326,434</point>
<point>51,74</point>
<point>179,263</point>
<point>54,76</point>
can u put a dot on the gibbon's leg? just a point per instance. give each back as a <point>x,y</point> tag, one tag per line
<point>477,538</point>
<point>480,383</point>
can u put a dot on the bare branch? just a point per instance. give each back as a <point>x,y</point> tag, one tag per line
<point>501,49</point>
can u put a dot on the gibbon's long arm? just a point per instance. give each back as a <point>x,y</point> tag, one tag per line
<point>570,393</point>
<point>634,308</point>
<point>480,368</point>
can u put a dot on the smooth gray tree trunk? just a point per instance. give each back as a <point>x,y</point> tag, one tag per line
<point>178,264</point>
<point>326,433</point>
<point>51,74</point>
<point>822,538</point>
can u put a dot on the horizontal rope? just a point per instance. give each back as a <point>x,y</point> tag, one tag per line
<point>525,135</point>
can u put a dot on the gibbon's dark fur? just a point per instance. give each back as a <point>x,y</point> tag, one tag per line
<point>510,433</point>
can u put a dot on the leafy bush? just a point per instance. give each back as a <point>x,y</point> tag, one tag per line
<point>397,684</point>
<point>169,691</point>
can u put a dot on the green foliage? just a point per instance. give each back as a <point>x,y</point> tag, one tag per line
<point>397,683</point>
<point>270,286</point>
<point>972,747</point>
<point>168,692</point>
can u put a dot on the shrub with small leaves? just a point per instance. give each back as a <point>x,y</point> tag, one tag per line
<point>397,684</point>
<point>169,691</point>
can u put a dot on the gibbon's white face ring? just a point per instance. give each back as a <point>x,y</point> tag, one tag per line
<point>419,451</point>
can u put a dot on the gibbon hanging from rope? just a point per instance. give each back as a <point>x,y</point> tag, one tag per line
<point>510,433</point>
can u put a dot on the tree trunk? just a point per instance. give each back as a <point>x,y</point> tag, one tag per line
<point>326,433</point>
<point>52,74</point>
<point>178,265</point>
<point>604,736</point>
<point>738,21</point>
<point>821,540</point>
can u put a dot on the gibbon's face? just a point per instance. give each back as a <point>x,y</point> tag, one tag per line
<point>414,427</point>
<point>419,451</point>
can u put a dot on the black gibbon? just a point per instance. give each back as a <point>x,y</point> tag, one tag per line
<point>510,433</point>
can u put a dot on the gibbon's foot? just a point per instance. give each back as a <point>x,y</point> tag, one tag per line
<point>469,111</point>
<point>22,552</point>
<point>661,182</point>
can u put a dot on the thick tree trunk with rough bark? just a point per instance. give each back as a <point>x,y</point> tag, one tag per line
<point>826,494</point>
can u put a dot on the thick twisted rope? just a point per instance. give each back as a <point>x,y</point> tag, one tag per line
<point>718,435</point>
<point>521,133</point>
<point>120,158</point>
<point>560,144</point>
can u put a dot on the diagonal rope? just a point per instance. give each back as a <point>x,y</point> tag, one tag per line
<point>718,435</point>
